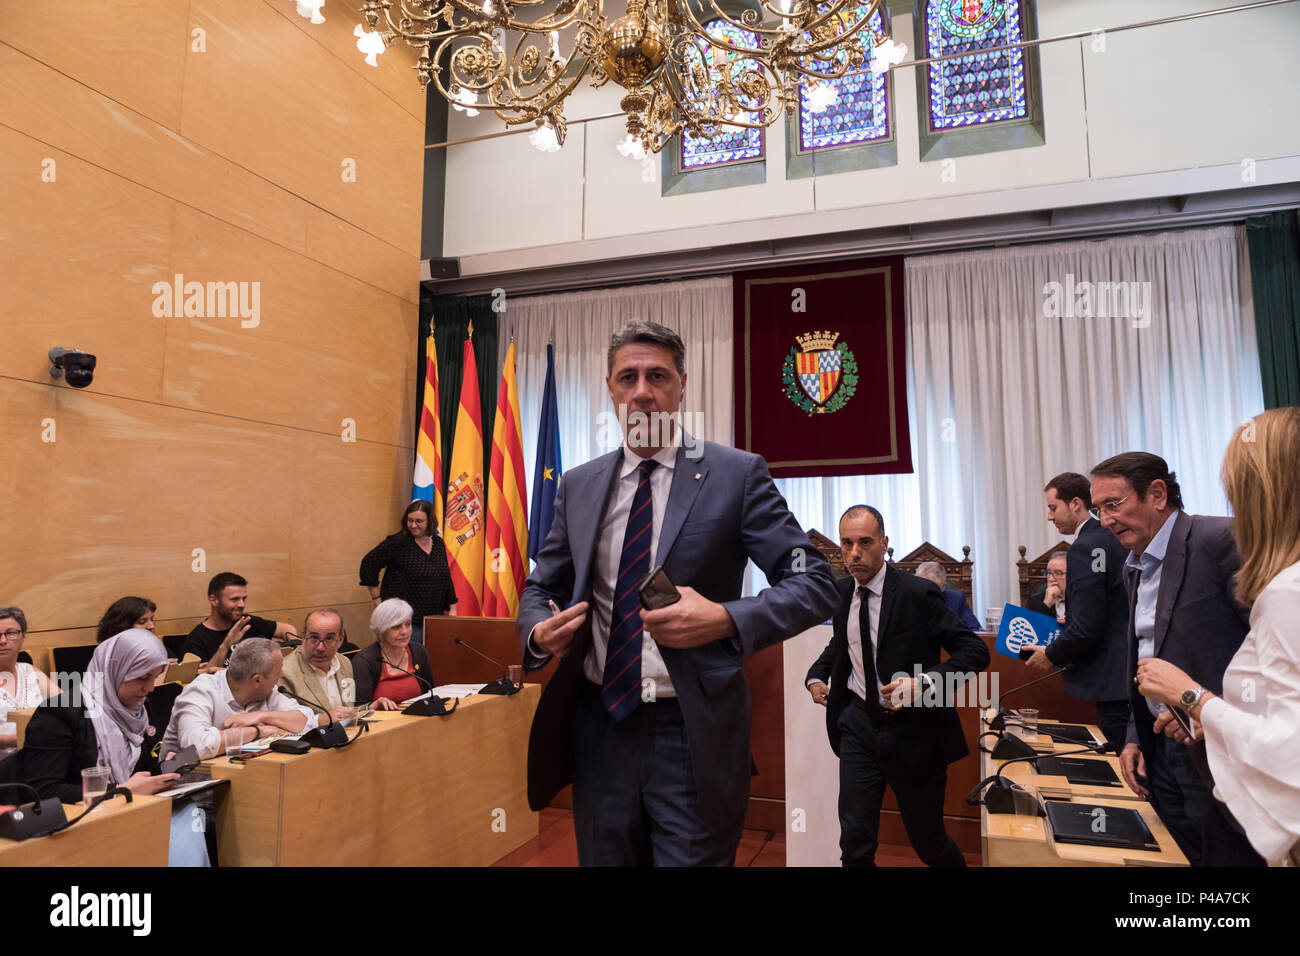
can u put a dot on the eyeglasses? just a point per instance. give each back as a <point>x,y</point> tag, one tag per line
<point>1110,507</point>
<point>11,635</point>
<point>322,641</point>
<point>1055,574</point>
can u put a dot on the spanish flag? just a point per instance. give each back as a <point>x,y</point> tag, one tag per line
<point>427,483</point>
<point>464,524</point>
<point>507,512</point>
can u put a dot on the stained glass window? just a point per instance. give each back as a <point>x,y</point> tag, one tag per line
<point>981,87</point>
<point>733,144</point>
<point>860,114</point>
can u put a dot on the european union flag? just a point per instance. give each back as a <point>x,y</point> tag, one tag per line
<point>1024,628</point>
<point>548,469</point>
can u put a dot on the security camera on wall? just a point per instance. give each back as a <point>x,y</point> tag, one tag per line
<point>78,366</point>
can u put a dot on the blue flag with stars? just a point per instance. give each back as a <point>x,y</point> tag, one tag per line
<point>547,471</point>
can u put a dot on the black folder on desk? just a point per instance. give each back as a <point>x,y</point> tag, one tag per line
<point>1113,826</point>
<point>1080,771</point>
<point>1069,733</point>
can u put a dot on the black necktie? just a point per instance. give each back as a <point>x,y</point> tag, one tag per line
<point>868,652</point>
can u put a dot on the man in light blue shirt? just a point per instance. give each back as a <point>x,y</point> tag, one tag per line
<point>1181,609</point>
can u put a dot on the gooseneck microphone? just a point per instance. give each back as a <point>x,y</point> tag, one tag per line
<point>999,721</point>
<point>332,735</point>
<point>1004,796</point>
<point>431,706</point>
<point>503,684</point>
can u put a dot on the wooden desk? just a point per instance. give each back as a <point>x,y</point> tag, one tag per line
<point>1011,840</point>
<point>115,833</point>
<point>413,791</point>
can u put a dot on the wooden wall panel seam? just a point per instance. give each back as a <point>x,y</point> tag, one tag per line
<point>398,45</point>
<point>202,411</point>
<point>411,296</point>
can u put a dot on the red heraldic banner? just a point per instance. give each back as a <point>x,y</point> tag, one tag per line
<point>820,369</point>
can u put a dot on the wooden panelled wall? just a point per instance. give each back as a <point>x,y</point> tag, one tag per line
<point>227,141</point>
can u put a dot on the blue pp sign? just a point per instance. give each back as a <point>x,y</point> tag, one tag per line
<point>1024,628</point>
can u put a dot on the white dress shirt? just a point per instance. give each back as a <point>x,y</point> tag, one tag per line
<point>1149,565</point>
<point>205,705</point>
<point>327,682</point>
<point>858,674</point>
<point>1250,732</point>
<point>609,551</point>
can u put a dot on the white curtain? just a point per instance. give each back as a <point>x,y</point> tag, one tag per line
<point>1001,396</point>
<point>1005,395</point>
<point>581,324</point>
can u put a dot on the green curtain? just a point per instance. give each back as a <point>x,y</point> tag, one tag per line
<point>450,316</point>
<point>1275,275</point>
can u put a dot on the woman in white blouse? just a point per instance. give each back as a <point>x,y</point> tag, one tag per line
<point>21,684</point>
<point>1252,732</point>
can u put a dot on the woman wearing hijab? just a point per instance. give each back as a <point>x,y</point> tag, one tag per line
<point>106,724</point>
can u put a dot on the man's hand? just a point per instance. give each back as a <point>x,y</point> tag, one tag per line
<point>341,714</point>
<point>145,782</point>
<point>819,692</point>
<point>691,622</point>
<point>1162,681</point>
<point>902,692</point>
<point>1052,594</point>
<point>1038,662</point>
<point>250,719</point>
<point>1166,724</point>
<point>1132,764</point>
<point>236,633</point>
<point>555,634</point>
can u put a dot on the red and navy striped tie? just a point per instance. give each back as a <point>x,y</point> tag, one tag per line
<point>623,657</point>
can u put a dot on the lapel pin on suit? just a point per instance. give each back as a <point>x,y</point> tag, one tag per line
<point>697,476</point>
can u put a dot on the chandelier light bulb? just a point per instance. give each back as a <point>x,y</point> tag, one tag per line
<point>469,101</point>
<point>632,147</point>
<point>310,10</point>
<point>544,138</point>
<point>887,54</point>
<point>820,97</point>
<point>369,42</point>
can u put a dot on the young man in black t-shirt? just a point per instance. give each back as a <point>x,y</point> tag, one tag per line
<point>212,640</point>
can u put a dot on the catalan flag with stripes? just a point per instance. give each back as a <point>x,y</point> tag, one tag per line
<point>464,526</point>
<point>426,485</point>
<point>507,512</point>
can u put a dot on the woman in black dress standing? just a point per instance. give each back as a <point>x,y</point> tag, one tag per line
<point>414,562</point>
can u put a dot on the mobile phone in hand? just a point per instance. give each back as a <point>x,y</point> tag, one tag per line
<point>657,591</point>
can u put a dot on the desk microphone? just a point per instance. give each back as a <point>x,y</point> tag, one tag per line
<point>998,721</point>
<point>328,737</point>
<point>37,819</point>
<point>503,684</point>
<point>431,706</point>
<point>1004,796</point>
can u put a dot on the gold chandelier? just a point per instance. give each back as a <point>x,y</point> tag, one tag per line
<point>684,64</point>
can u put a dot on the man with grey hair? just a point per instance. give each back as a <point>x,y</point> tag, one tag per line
<point>242,696</point>
<point>956,601</point>
<point>647,713</point>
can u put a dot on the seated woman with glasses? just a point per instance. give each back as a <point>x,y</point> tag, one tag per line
<point>21,684</point>
<point>316,673</point>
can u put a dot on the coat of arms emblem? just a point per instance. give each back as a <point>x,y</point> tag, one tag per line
<point>819,375</point>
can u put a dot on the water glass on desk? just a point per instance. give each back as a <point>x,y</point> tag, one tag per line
<point>94,783</point>
<point>1028,724</point>
<point>232,738</point>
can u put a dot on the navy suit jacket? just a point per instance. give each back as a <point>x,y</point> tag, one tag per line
<point>1094,645</point>
<point>1199,624</point>
<point>956,602</point>
<point>915,624</point>
<point>723,510</point>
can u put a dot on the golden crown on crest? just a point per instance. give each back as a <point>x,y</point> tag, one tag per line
<point>815,341</point>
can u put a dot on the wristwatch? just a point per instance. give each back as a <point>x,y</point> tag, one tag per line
<point>1190,697</point>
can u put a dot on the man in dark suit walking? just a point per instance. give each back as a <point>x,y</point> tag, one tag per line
<point>648,711</point>
<point>1094,647</point>
<point>888,714</point>
<point>1181,609</point>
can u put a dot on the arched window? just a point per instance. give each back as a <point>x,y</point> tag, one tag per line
<point>860,112</point>
<point>981,87</point>
<point>734,144</point>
